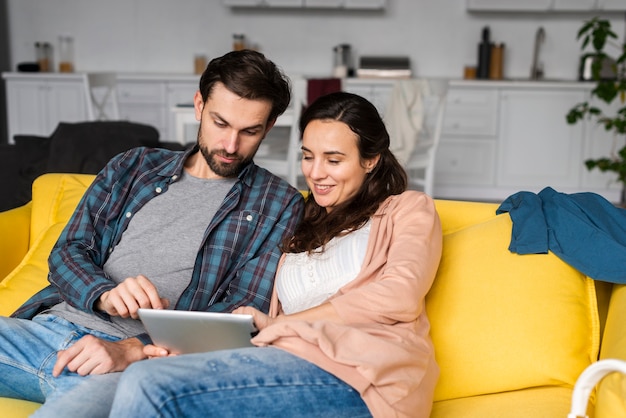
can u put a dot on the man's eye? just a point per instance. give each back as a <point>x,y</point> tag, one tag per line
<point>220,123</point>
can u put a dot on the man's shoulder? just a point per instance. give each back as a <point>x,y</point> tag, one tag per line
<point>146,157</point>
<point>265,179</point>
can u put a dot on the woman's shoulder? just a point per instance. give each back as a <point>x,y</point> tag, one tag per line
<point>409,198</point>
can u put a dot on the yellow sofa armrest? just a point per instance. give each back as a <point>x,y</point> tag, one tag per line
<point>14,237</point>
<point>611,392</point>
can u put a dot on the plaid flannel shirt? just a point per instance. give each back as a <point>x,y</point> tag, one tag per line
<point>235,264</point>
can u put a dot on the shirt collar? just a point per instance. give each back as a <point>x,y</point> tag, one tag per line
<point>176,165</point>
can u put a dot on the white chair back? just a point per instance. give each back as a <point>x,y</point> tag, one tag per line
<point>420,165</point>
<point>101,96</point>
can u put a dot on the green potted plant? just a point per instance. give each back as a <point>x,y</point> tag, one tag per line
<point>598,34</point>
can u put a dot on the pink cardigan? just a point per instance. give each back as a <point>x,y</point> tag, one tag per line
<point>386,352</point>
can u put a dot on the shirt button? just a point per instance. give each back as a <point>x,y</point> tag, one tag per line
<point>128,214</point>
<point>158,190</point>
<point>249,218</point>
<point>174,177</point>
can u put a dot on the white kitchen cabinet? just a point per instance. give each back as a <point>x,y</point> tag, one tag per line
<point>611,5</point>
<point>311,4</point>
<point>143,101</point>
<point>545,5</point>
<point>537,148</point>
<point>508,5</point>
<point>180,93</point>
<point>601,143</point>
<point>574,5</point>
<point>504,137</point>
<point>283,3</point>
<point>377,91</point>
<point>37,102</point>
<point>365,4</point>
<point>242,3</point>
<point>468,146</point>
<point>150,99</point>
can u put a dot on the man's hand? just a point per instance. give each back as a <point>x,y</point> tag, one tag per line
<point>91,355</point>
<point>133,293</point>
<point>153,351</point>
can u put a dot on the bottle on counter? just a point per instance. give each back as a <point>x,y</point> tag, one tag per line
<point>66,54</point>
<point>43,51</point>
<point>496,62</point>
<point>484,55</point>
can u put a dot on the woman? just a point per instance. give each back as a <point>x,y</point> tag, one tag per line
<point>347,333</point>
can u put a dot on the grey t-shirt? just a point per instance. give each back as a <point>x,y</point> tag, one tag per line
<point>161,243</point>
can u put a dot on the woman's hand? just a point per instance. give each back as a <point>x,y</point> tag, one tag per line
<point>261,320</point>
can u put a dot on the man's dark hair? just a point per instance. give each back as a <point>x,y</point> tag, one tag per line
<point>249,75</point>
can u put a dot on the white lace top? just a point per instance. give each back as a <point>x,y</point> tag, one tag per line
<point>307,280</point>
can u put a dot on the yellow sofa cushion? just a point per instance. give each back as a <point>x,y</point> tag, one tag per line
<point>54,199</point>
<point>31,275</point>
<point>545,402</point>
<point>14,238</point>
<point>17,408</point>
<point>611,401</point>
<point>503,321</point>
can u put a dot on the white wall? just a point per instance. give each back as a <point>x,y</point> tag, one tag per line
<point>163,35</point>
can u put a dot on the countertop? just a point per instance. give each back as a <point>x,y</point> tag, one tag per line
<point>188,77</point>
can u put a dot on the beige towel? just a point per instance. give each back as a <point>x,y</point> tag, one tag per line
<point>404,116</point>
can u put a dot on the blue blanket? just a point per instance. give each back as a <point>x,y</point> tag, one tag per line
<point>583,229</point>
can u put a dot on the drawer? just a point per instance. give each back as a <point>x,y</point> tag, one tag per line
<point>471,112</point>
<point>465,162</point>
<point>141,92</point>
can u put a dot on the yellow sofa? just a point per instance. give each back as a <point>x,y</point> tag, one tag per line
<point>512,332</point>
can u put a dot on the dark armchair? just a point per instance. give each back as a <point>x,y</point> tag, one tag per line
<point>83,147</point>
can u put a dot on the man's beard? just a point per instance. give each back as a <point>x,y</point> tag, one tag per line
<point>227,170</point>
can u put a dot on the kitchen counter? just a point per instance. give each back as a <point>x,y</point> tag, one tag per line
<point>524,83</point>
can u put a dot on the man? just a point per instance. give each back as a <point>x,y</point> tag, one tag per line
<point>194,230</point>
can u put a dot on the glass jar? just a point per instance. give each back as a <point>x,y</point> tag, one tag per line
<point>66,54</point>
<point>43,51</point>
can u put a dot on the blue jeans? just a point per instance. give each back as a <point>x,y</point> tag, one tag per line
<point>27,355</point>
<point>247,382</point>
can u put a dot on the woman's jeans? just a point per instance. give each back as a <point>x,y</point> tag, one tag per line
<point>28,352</point>
<point>247,382</point>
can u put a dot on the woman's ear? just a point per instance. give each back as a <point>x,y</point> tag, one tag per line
<point>370,164</point>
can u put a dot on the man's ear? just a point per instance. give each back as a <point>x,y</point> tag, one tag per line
<point>198,105</point>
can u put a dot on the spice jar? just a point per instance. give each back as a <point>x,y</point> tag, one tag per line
<point>199,63</point>
<point>239,42</point>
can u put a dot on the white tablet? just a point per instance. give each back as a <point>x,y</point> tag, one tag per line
<point>184,332</point>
